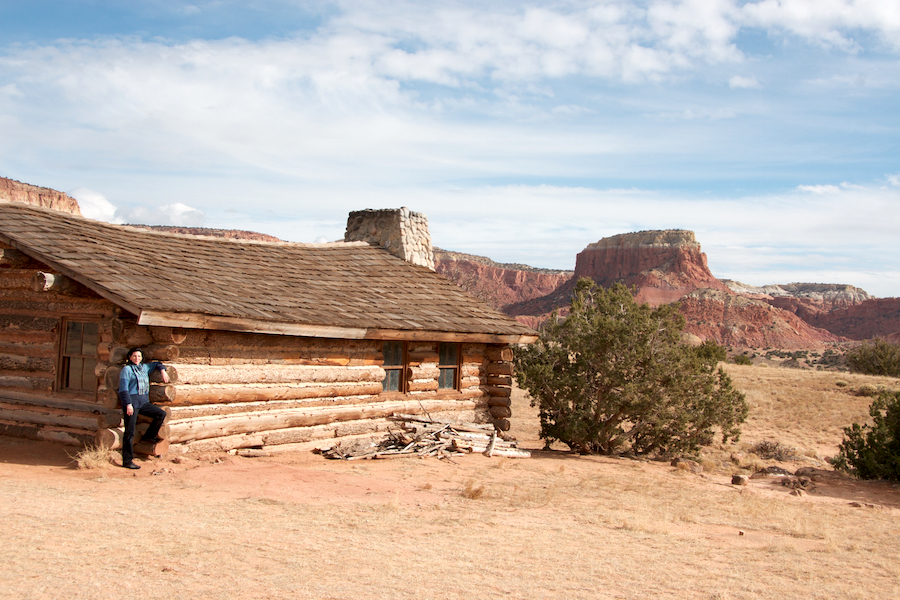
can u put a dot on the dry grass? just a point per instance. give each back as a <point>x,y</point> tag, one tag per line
<point>94,457</point>
<point>557,525</point>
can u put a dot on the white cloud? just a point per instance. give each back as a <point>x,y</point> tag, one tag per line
<point>94,205</point>
<point>739,82</point>
<point>177,214</point>
<point>894,179</point>
<point>819,189</point>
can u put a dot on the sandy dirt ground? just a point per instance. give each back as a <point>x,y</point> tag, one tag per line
<point>558,525</point>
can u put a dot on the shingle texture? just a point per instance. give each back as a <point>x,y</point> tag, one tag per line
<point>352,285</point>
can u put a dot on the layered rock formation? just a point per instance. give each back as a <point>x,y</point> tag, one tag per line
<point>498,284</point>
<point>736,320</point>
<point>663,265</point>
<point>16,191</point>
<point>876,317</point>
<point>809,301</point>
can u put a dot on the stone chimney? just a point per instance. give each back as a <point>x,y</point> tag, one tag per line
<point>400,231</point>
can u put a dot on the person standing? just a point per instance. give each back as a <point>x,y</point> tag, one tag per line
<point>134,395</point>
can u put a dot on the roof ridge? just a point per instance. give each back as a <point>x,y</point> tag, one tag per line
<point>148,229</point>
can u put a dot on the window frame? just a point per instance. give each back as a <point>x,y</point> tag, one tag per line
<point>402,368</point>
<point>64,362</point>
<point>456,366</point>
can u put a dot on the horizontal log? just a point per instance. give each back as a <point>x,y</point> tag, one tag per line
<point>499,380</point>
<point>28,338</point>
<point>53,282</point>
<point>429,372</point>
<point>112,439</point>
<point>130,333</point>
<point>163,393</point>
<point>495,368</point>
<point>200,374</point>
<point>31,364</point>
<point>502,424</point>
<point>37,382</point>
<point>498,354</point>
<point>46,433</point>
<point>16,414</point>
<point>467,382</point>
<point>499,401</point>
<point>472,371</point>
<point>28,350</point>
<point>501,392</point>
<point>168,335</point>
<point>419,358</point>
<point>14,259</point>
<point>211,427</point>
<point>422,385</point>
<point>500,412</point>
<point>226,393</point>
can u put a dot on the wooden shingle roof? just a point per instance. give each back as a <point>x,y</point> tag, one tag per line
<point>348,290</point>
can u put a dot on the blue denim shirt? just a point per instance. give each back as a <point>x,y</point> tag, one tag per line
<point>134,383</point>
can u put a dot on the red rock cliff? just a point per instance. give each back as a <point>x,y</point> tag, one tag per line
<point>15,191</point>
<point>663,265</point>
<point>498,284</point>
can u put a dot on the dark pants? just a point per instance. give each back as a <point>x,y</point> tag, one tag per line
<point>148,410</point>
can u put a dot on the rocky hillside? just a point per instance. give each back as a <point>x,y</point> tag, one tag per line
<point>499,284</point>
<point>736,320</point>
<point>875,317</point>
<point>16,191</point>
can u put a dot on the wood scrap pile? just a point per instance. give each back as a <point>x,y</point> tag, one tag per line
<point>421,436</point>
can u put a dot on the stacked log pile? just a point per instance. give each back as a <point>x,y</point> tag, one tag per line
<point>421,437</point>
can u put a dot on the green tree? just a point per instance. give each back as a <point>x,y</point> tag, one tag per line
<point>613,377</point>
<point>879,357</point>
<point>873,451</point>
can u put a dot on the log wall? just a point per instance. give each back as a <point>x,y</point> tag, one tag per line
<point>31,317</point>
<point>228,389</point>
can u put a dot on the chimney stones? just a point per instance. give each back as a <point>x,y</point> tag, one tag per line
<point>400,231</point>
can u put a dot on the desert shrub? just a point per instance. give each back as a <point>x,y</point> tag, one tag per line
<point>841,383</point>
<point>612,377</point>
<point>710,350</point>
<point>773,451</point>
<point>741,359</point>
<point>873,451</point>
<point>879,357</point>
<point>93,457</point>
<point>867,389</point>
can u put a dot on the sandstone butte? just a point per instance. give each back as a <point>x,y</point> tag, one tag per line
<point>665,266</point>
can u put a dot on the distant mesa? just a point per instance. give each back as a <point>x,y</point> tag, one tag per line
<point>233,234</point>
<point>16,191</point>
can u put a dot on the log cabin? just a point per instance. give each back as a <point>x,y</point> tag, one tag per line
<point>265,343</point>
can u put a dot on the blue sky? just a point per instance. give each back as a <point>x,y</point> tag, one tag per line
<point>525,131</point>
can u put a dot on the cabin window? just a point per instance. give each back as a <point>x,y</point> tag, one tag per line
<point>79,356</point>
<point>394,367</point>
<point>448,363</point>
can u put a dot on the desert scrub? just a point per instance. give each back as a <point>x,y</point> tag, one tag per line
<point>773,451</point>
<point>93,457</point>
<point>867,389</point>
<point>873,451</point>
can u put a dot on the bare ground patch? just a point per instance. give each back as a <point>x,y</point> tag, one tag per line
<point>557,525</point>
